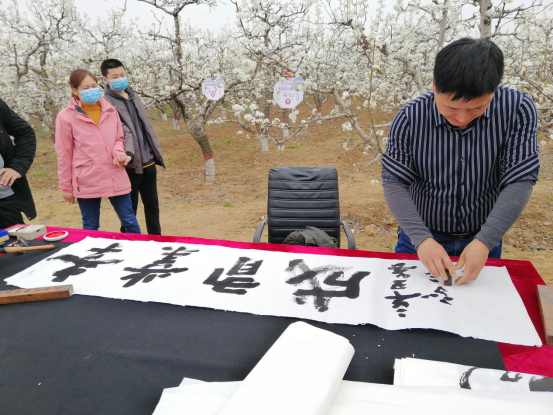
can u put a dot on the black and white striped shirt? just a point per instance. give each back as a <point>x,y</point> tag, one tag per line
<point>454,175</point>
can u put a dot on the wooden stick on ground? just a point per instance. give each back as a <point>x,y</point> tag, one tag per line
<point>25,295</point>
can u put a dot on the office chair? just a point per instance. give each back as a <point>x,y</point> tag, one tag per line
<point>300,197</point>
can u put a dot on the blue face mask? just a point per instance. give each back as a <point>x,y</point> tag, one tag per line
<point>119,84</point>
<point>91,95</point>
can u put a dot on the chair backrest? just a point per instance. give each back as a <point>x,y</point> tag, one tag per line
<point>300,197</point>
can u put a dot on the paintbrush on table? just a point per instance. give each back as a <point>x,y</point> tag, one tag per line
<point>13,250</point>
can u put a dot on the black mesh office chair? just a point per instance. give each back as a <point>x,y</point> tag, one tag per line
<point>300,197</point>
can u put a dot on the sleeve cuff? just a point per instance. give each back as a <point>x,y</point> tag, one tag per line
<point>486,241</point>
<point>416,241</point>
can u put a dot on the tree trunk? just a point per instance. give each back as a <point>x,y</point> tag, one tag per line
<point>223,112</point>
<point>443,27</point>
<point>319,105</point>
<point>268,93</point>
<point>485,20</point>
<point>49,116</point>
<point>16,84</point>
<point>175,115</point>
<point>210,170</point>
<point>285,121</point>
<point>176,123</point>
<point>163,114</point>
<point>263,142</point>
<point>197,131</point>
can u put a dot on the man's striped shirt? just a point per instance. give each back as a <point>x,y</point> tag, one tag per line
<point>455,176</point>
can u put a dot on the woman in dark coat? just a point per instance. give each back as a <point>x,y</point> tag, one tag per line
<point>16,158</point>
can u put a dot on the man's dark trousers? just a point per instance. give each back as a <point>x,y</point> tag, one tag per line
<point>145,184</point>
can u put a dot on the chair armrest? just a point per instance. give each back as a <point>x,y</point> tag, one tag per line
<point>259,231</point>
<point>349,234</point>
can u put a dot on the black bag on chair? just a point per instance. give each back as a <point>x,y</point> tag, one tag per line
<point>311,236</point>
<point>300,197</point>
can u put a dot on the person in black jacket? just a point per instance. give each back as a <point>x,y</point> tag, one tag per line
<point>16,158</point>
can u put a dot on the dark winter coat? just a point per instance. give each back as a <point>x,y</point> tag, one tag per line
<point>131,138</point>
<point>18,154</point>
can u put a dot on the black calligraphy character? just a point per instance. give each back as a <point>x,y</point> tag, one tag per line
<point>398,285</point>
<point>80,265</point>
<point>445,298</point>
<point>399,270</point>
<point>235,285</point>
<point>506,378</point>
<point>536,383</point>
<point>431,277</point>
<point>437,292</point>
<point>399,301</point>
<point>244,267</point>
<point>334,279</point>
<point>464,381</point>
<point>157,269</point>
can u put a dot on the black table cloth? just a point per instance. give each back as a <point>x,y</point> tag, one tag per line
<point>91,355</point>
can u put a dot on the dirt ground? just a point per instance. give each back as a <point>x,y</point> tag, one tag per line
<point>232,208</point>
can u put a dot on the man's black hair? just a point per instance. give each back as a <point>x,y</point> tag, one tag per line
<point>468,69</point>
<point>110,64</point>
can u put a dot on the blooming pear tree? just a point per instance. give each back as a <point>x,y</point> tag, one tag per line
<point>43,41</point>
<point>194,56</point>
<point>274,35</point>
<point>33,35</point>
<point>367,59</point>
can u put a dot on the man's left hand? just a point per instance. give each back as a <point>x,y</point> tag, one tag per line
<point>8,176</point>
<point>473,258</point>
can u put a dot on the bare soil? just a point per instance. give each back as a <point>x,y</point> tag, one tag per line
<point>232,208</point>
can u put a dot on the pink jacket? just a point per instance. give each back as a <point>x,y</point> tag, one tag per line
<point>85,152</point>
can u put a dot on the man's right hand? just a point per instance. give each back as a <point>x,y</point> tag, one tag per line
<point>69,197</point>
<point>435,259</point>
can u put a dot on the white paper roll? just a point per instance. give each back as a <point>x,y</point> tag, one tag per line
<point>357,398</point>
<point>300,374</point>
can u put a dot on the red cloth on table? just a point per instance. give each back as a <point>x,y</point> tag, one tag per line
<point>524,359</point>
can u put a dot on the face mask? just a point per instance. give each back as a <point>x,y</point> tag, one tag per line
<point>91,96</point>
<point>119,84</point>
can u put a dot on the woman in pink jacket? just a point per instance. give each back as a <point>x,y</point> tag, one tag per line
<point>89,146</point>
